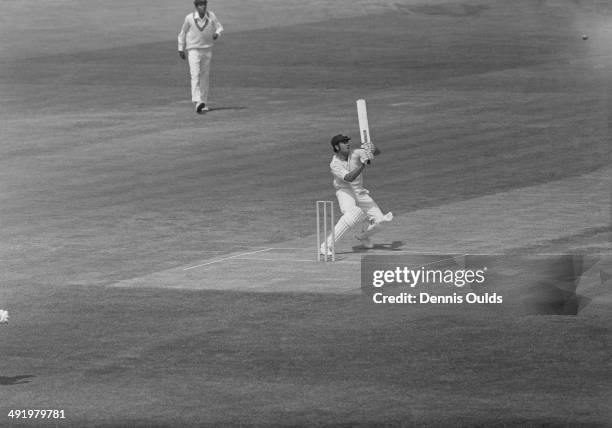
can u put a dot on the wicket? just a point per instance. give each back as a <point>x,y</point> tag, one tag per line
<point>323,208</point>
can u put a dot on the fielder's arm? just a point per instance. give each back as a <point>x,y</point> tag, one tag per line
<point>182,38</point>
<point>217,24</point>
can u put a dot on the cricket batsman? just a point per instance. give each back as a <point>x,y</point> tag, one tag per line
<point>356,204</point>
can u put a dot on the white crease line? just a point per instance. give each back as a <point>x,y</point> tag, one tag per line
<point>228,258</point>
<point>241,257</point>
<point>288,248</point>
<point>277,259</point>
<point>377,251</point>
<point>297,260</point>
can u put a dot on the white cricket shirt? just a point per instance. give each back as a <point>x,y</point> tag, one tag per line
<point>339,169</point>
<point>197,33</point>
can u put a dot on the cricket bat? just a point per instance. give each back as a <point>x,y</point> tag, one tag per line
<point>364,128</point>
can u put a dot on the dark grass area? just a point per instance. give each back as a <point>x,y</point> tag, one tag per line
<point>205,358</point>
<point>385,51</point>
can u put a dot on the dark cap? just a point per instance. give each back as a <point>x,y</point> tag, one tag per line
<point>337,139</point>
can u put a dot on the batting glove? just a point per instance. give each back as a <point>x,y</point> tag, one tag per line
<point>366,157</point>
<point>369,148</point>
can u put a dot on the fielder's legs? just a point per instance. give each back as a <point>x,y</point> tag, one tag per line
<point>206,56</point>
<point>194,57</point>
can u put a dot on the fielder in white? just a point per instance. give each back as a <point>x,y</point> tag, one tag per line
<point>356,204</point>
<point>4,316</point>
<point>197,37</point>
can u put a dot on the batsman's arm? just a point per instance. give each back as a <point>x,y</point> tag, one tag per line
<point>342,173</point>
<point>365,155</point>
<point>370,147</point>
<point>352,175</point>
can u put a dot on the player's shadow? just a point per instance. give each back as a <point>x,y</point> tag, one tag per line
<point>15,380</point>
<point>213,109</point>
<point>393,246</point>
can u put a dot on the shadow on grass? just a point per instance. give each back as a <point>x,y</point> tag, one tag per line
<point>393,246</point>
<point>14,380</point>
<point>212,109</point>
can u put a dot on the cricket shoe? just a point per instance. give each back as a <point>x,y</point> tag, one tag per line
<point>365,242</point>
<point>322,251</point>
<point>201,108</point>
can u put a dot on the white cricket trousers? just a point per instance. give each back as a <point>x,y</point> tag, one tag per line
<point>355,208</point>
<point>349,200</point>
<point>199,68</point>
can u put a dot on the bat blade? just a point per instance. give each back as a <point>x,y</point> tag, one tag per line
<point>364,127</point>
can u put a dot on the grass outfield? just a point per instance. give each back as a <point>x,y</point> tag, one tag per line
<point>120,357</point>
<point>494,124</point>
